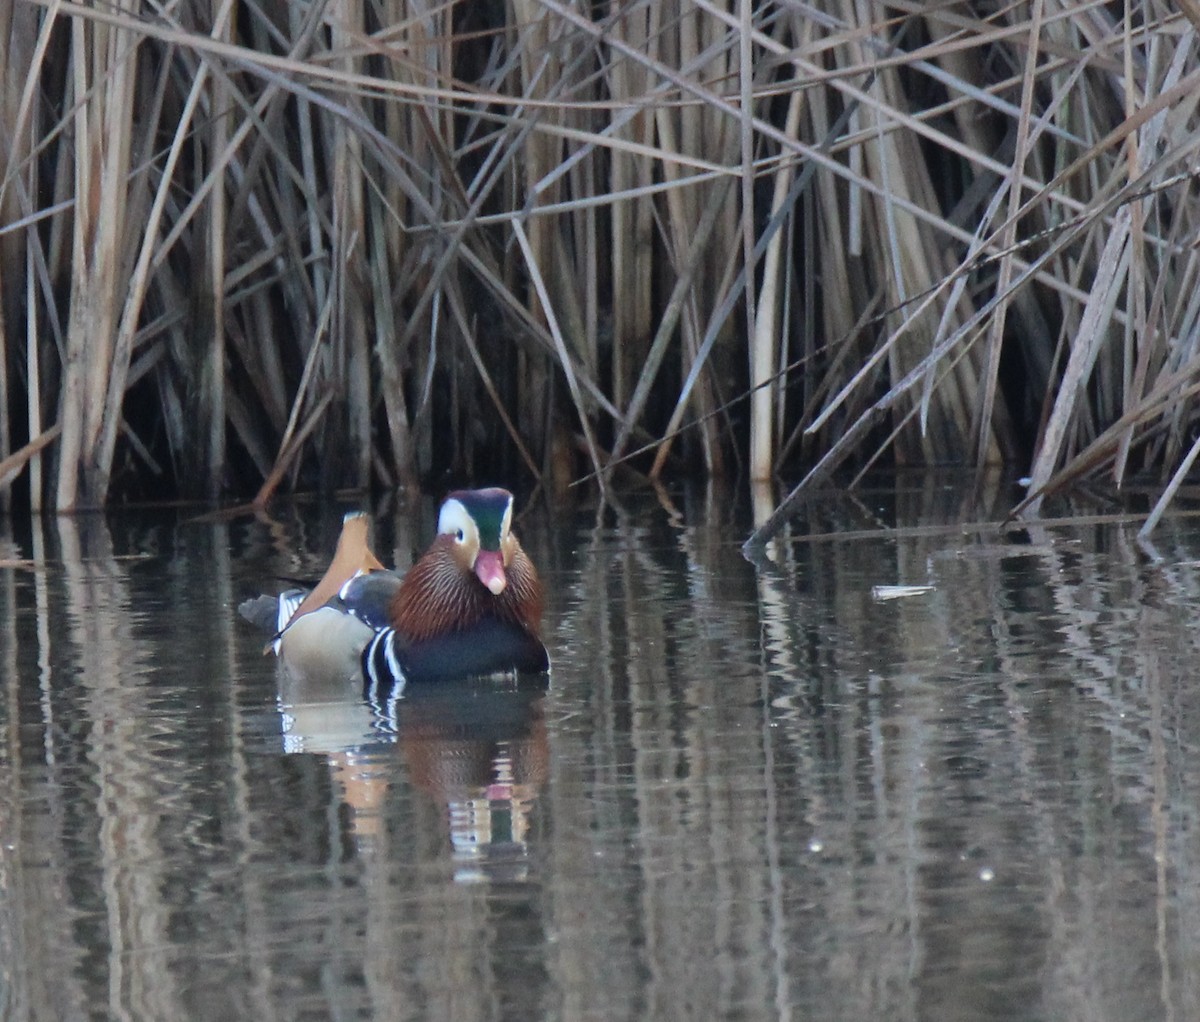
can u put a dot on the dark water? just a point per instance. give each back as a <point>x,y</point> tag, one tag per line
<point>745,795</point>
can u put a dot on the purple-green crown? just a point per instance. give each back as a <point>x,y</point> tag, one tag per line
<point>487,509</point>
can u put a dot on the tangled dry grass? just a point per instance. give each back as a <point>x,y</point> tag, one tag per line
<point>248,244</point>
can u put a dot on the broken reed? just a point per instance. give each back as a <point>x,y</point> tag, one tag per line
<point>247,246</point>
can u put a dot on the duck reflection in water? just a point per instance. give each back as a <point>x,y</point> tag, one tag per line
<point>478,747</point>
<point>452,672</point>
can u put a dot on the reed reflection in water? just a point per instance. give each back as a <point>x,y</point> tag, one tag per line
<point>747,792</point>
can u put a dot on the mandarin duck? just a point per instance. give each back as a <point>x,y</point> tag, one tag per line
<point>471,605</point>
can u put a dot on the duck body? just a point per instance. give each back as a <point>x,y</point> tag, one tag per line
<point>491,646</point>
<point>471,605</point>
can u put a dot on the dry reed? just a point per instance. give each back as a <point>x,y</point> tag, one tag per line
<point>252,246</point>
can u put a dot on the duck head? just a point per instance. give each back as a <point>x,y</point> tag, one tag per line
<point>474,571</point>
<point>478,522</point>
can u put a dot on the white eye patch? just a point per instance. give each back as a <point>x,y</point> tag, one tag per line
<point>455,521</point>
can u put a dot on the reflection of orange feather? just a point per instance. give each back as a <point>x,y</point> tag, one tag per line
<point>353,555</point>
<point>365,786</point>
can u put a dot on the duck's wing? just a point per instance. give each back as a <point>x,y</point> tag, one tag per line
<point>368,597</point>
<point>352,557</point>
<point>270,613</point>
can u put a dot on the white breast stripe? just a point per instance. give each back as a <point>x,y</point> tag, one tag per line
<point>382,667</point>
<point>389,649</point>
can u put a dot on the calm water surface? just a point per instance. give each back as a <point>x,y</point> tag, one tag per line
<point>746,793</point>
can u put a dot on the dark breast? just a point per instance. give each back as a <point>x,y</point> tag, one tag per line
<point>488,647</point>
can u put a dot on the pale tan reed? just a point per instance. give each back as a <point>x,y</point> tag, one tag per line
<point>342,244</point>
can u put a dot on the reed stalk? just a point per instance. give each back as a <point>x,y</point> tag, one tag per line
<point>252,247</point>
